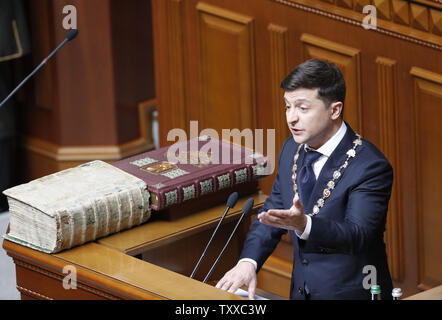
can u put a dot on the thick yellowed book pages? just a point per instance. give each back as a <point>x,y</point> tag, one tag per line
<point>74,206</point>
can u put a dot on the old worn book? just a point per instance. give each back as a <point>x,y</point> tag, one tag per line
<point>74,206</point>
<point>198,169</point>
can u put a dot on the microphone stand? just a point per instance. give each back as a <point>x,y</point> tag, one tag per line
<point>71,35</point>
<point>230,204</point>
<point>248,205</point>
<point>208,244</point>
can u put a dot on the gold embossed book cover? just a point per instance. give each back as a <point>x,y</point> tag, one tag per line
<point>191,169</point>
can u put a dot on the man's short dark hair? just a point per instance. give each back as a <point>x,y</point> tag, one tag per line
<point>320,74</point>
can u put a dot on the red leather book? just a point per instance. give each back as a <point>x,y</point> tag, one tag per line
<point>194,169</point>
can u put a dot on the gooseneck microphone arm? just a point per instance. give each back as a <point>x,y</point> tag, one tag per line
<point>233,198</point>
<point>245,211</point>
<point>71,35</point>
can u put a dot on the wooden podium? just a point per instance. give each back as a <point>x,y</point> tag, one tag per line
<point>152,261</point>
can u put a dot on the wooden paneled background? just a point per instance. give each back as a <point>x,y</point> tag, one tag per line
<point>93,98</point>
<point>220,62</point>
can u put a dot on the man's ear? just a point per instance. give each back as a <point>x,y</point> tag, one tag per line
<point>335,110</point>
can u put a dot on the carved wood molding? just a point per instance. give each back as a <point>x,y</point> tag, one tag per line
<point>389,144</point>
<point>428,2</point>
<point>348,60</point>
<point>107,153</point>
<point>83,153</point>
<point>278,70</point>
<point>236,33</point>
<point>430,84</point>
<point>415,22</point>
<point>60,278</point>
<point>32,293</point>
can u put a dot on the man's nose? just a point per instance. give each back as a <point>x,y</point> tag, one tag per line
<point>292,115</point>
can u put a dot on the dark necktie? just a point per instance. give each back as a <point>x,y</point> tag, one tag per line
<point>306,177</point>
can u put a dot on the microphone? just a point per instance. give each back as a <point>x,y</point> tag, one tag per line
<point>233,198</point>
<point>70,36</point>
<point>245,212</point>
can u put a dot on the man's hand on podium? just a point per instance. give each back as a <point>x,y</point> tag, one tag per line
<point>242,274</point>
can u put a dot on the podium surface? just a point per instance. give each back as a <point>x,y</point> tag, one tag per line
<point>151,261</point>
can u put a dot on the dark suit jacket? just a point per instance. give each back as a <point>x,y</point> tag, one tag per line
<point>345,236</point>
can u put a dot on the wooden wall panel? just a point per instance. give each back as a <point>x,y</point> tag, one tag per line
<point>85,103</point>
<point>133,63</point>
<point>279,70</point>
<point>83,83</point>
<point>275,276</point>
<point>42,93</point>
<point>227,69</point>
<point>220,62</point>
<point>175,57</point>
<point>182,255</point>
<point>276,36</point>
<point>389,145</point>
<point>348,60</point>
<point>428,134</point>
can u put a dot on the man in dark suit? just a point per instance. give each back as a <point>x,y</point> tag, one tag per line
<point>331,194</point>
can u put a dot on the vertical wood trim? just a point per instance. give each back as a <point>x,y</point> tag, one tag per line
<point>429,82</point>
<point>389,144</point>
<point>348,59</point>
<point>176,54</point>
<point>278,70</point>
<point>418,196</point>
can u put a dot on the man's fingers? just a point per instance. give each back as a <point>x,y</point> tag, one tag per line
<point>223,284</point>
<point>273,224</point>
<point>243,274</point>
<point>234,287</point>
<point>227,285</point>
<point>277,213</point>
<point>252,289</point>
<point>297,202</point>
<point>270,219</point>
<point>220,283</point>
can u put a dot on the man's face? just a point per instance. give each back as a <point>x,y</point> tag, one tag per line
<point>309,120</point>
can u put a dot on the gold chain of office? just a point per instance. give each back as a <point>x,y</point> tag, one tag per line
<point>351,153</point>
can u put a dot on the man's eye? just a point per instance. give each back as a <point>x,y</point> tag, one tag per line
<point>302,108</point>
<point>287,107</point>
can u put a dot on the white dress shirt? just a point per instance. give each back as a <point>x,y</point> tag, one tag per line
<point>326,150</point>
